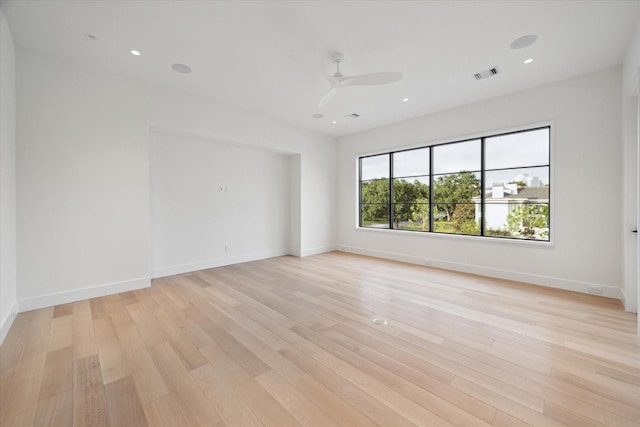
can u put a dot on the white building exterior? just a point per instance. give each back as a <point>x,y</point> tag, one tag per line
<point>502,198</point>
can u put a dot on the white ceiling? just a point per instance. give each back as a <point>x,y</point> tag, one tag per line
<point>267,56</point>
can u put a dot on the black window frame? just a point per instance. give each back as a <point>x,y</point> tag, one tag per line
<point>433,176</point>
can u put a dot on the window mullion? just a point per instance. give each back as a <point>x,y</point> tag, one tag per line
<point>431,190</point>
<point>360,192</point>
<point>482,186</point>
<point>391,198</point>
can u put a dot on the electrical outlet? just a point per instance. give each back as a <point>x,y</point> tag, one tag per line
<point>596,290</point>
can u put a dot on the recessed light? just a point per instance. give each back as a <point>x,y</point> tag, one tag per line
<point>528,61</point>
<point>134,52</point>
<point>405,99</point>
<point>524,41</point>
<point>318,116</point>
<point>334,122</point>
<point>181,68</point>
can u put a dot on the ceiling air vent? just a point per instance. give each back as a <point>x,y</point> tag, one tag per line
<point>486,74</point>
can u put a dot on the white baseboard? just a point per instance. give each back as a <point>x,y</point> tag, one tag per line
<point>316,251</point>
<point>6,323</point>
<point>213,263</point>
<point>629,305</point>
<point>49,300</point>
<point>534,279</point>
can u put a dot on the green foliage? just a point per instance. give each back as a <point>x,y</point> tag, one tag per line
<point>420,214</point>
<point>528,219</point>
<point>497,232</point>
<point>375,191</point>
<point>411,203</point>
<point>375,198</point>
<point>464,213</point>
<point>464,217</point>
<point>456,188</point>
<point>405,195</point>
<point>469,227</point>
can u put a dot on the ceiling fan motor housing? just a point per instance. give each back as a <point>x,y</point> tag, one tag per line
<point>337,58</point>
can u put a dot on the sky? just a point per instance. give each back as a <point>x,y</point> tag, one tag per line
<point>507,151</point>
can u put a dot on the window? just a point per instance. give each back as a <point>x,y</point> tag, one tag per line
<point>411,189</point>
<point>456,187</point>
<point>374,191</point>
<point>496,186</point>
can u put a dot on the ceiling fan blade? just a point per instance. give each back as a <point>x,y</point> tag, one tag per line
<point>326,97</point>
<point>371,79</point>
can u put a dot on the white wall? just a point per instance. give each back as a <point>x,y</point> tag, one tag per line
<point>83,175</point>
<point>295,208</point>
<point>631,144</point>
<point>8,298</point>
<point>318,200</point>
<point>586,211</point>
<point>630,205</point>
<point>213,204</point>
<point>631,66</point>
<point>202,117</point>
<point>83,180</point>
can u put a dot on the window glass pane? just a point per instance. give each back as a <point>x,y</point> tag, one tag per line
<point>375,191</point>
<point>411,162</point>
<point>407,193</point>
<point>374,167</point>
<point>517,149</point>
<point>462,187</point>
<point>461,156</point>
<point>410,189</point>
<point>374,215</point>
<point>514,180</point>
<point>516,220</point>
<point>411,216</point>
<point>458,218</point>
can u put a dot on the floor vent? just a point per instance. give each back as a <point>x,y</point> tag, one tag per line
<point>379,321</point>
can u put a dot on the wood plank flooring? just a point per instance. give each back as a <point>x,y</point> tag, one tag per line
<point>290,342</point>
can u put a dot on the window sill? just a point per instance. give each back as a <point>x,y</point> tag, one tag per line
<point>463,237</point>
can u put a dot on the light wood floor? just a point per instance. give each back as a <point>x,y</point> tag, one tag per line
<point>290,342</point>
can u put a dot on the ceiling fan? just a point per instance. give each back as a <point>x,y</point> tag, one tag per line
<point>340,81</point>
